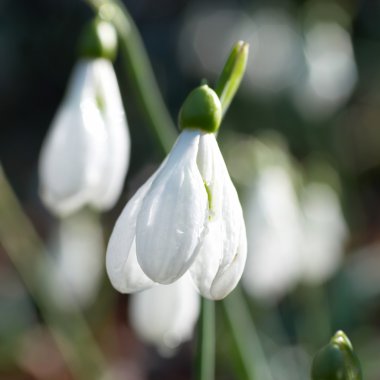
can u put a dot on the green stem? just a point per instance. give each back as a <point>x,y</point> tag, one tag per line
<point>205,359</point>
<point>137,65</point>
<point>246,338</point>
<point>25,250</point>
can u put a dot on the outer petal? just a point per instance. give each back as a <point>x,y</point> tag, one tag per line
<point>173,214</point>
<point>108,190</point>
<point>74,152</point>
<point>223,248</point>
<point>123,269</point>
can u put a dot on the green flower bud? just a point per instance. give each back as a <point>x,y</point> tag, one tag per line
<point>336,361</point>
<point>201,109</point>
<point>98,40</point>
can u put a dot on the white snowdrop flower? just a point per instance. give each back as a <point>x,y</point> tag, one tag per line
<point>85,155</point>
<point>77,246</point>
<point>186,217</point>
<point>274,224</point>
<point>165,315</point>
<point>324,232</point>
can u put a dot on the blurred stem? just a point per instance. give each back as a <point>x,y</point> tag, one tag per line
<point>138,68</point>
<point>232,74</point>
<point>246,338</point>
<point>205,359</point>
<point>25,250</point>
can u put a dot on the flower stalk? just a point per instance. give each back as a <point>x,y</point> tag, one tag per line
<point>205,357</point>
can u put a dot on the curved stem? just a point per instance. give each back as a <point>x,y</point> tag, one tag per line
<point>205,359</point>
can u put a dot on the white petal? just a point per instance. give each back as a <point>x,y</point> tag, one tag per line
<point>173,214</point>
<point>118,145</point>
<point>74,152</point>
<point>165,315</point>
<point>123,269</point>
<point>229,275</point>
<point>222,251</point>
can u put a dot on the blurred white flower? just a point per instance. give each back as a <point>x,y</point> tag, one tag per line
<point>291,240</point>
<point>187,216</point>
<point>85,155</point>
<point>78,249</point>
<point>331,71</point>
<point>165,315</point>
<point>209,32</point>
<point>324,232</point>
<point>278,51</point>
<point>274,235</point>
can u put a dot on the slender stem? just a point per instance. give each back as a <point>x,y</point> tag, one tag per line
<point>205,359</point>
<point>25,250</point>
<point>246,338</point>
<point>137,65</point>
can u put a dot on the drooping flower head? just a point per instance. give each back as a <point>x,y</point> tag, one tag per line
<point>85,155</point>
<point>187,217</point>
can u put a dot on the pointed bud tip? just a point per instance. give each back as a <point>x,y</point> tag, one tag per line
<point>341,339</point>
<point>242,46</point>
<point>336,361</point>
<point>98,40</point>
<point>201,110</point>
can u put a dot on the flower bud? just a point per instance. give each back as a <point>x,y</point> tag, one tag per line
<point>98,40</point>
<point>336,361</point>
<point>201,110</point>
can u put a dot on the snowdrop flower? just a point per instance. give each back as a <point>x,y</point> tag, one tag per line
<point>291,238</point>
<point>85,155</point>
<point>175,308</point>
<point>186,218</point>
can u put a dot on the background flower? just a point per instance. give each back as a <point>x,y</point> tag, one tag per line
<point>85,155</point>
<point>165,315</point>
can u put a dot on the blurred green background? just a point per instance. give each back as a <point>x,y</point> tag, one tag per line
<point>309,104</point>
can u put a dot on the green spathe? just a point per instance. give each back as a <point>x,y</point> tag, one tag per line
<point>336,361</point>
<point>232,74</point>
<point>201,110</point>
<point>98,40</point>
